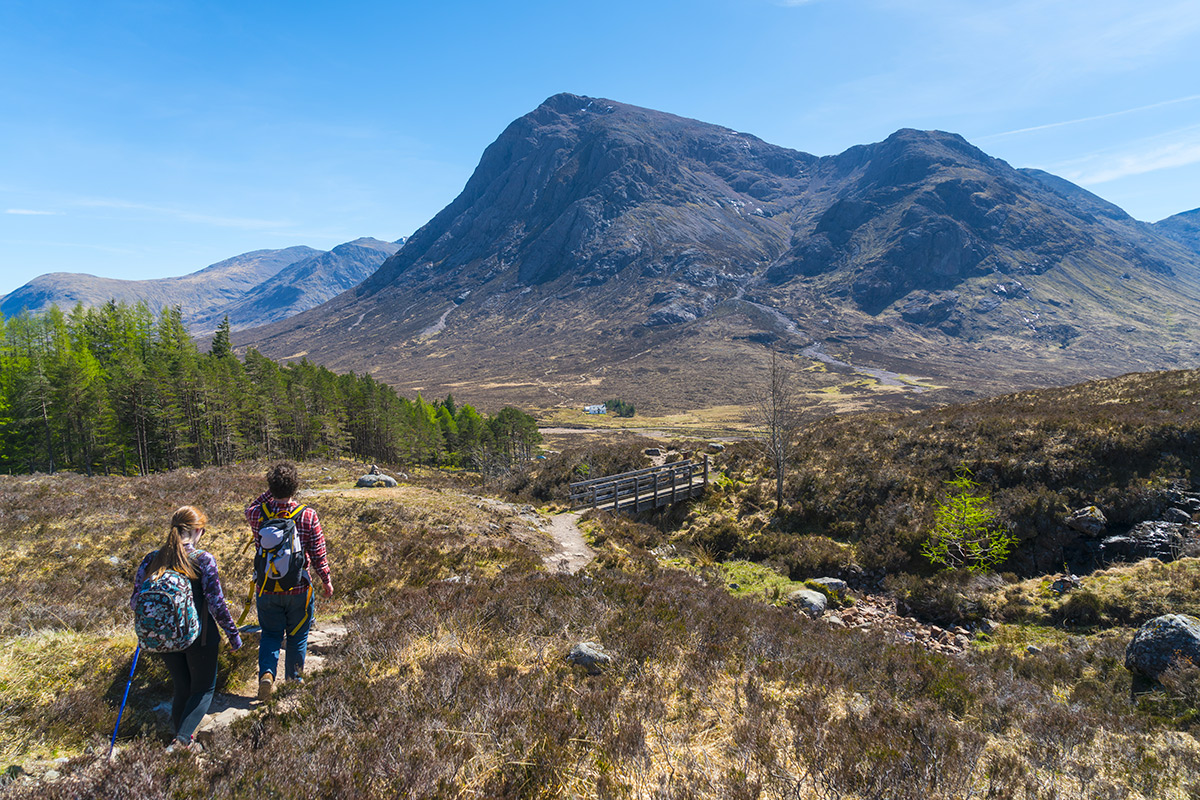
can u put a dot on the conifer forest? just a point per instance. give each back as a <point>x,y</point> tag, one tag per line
<point>119,390</point>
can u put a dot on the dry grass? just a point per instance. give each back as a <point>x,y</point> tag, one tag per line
<point>459,688</point>
<point>1122,595</point>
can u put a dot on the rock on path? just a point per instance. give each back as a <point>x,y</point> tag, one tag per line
<point>228,708</point>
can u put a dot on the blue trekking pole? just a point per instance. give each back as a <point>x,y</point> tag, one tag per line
<point>128,683</point>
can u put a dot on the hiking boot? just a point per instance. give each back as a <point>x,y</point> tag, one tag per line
<point>180,746</point>
<point>266,685</point>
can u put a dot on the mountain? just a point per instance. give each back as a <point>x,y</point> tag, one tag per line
<point>1183,228</point>
<point>302,285</point>
<point>220,283</point>
<point>263,285</point>
<point>601,249</point>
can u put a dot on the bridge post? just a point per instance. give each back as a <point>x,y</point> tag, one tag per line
<point>706,470</point>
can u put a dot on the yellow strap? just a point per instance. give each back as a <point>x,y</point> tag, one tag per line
<point>266,515</point>
<point>307,606</point>
<point>246,610</point>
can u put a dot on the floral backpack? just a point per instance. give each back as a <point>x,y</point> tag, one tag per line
<point>165,617</point>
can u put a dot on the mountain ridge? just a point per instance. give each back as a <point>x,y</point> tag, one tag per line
<point>602,248</point>
<point>252,288</point>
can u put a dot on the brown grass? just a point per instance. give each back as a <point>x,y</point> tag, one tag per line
<point>459,688</point>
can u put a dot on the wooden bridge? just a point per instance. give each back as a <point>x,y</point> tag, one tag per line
<point>643,489</point>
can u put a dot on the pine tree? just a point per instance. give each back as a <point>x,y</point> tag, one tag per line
<point>222,346</point>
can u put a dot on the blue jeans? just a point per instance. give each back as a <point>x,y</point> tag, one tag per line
<point>279,614</point>
<point>194,678</point>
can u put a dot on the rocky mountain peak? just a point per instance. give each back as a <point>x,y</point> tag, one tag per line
<point>592,225</point>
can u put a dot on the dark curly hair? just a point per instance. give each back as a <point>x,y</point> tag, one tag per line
<point>283,480</point>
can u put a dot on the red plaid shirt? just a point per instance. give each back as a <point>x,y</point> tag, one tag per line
<point>309,528</point>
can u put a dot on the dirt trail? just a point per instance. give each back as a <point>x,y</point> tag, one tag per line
<point>571,552</point>
<point>227,708</point>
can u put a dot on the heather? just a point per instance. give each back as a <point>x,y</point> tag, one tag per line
<point>452,681</point>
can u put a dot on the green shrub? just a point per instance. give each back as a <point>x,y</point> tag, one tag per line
<point>966,531</point>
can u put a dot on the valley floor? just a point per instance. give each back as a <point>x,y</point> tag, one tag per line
<point>445,670</point>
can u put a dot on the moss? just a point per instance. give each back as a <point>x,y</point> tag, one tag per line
<point>747,579</point>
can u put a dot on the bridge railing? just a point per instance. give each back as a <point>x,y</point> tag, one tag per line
<point>644,488</point>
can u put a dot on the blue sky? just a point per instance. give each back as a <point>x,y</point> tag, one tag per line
<point>152,138</point>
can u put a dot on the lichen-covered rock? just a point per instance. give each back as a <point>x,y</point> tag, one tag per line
<point>835,585</point>
<point>375,481</point>
<point>809,601</point>
<point>1163,642</point>
<point>590,656</point>
<point>1089,521</point>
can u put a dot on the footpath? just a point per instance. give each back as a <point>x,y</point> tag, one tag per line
<point>570,554</point>
<point>228,708</point>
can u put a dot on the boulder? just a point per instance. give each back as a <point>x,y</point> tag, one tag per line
<point>652,451</point>
<point>1161,540</point>
<point>809,601</point>
<point>1177,515</point>
<point>716,447</point>
<point>1089,521</point>
<point>1162,642</point>
<point>375,481</point>
<point>590,656</point>
<point>834,585</point>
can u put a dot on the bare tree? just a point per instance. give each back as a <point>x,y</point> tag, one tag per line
<point>778,410</point>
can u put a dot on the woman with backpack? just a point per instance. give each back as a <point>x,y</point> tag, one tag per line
<point>168,626</point>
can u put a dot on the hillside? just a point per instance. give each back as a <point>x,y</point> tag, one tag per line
<point>301,286</point>
<point>1183,228</point>
<point>452,678</point>
<point>603,250</point>
<point>253,288</point>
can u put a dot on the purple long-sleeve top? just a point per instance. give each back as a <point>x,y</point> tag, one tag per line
<point>210,583</point>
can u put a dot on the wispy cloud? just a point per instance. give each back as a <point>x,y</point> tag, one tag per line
<point>243,223</point>
<point>1109,115</point>
<point>29,212</point>
<point>1179,148</point>
<point>121,251</point>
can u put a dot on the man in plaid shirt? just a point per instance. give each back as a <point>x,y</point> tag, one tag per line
<point>287,613</point>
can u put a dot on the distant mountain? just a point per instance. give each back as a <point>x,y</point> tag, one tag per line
<point>604,250</point>
<point>1183,228</point>
<point>302,285</point>
<point>220,283</point>
<point>253,288</point>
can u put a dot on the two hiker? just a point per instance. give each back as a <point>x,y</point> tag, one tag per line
<point>178,599</point>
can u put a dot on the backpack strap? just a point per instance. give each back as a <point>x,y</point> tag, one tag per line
<point>202,606</point>
<point>265,512</point>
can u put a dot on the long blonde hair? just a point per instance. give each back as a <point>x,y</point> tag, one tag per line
<point>173,555</point>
